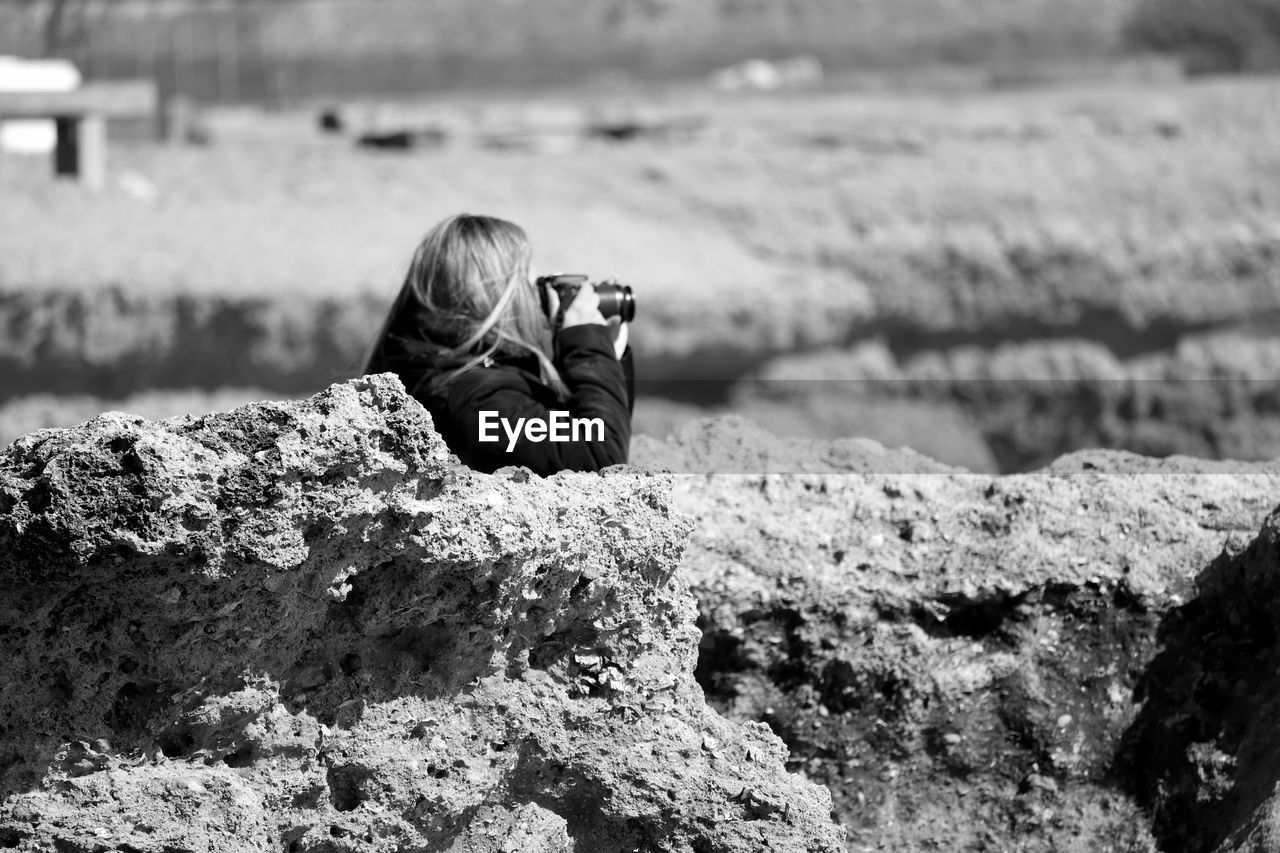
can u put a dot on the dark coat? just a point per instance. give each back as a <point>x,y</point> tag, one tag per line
<point>600,385</point>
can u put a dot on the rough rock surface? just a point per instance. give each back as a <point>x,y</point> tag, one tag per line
<point>971,662</point>
<point>937,429</point>
<point>117,341</point>
<point>302,626</point>
<point>55,411</point>
<point>1213,395</point>
<point>1201,754</point>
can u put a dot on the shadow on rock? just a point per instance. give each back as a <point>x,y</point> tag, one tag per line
<point>1201,755</point>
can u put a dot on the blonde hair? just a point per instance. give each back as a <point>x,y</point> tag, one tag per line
<point>469,289</point>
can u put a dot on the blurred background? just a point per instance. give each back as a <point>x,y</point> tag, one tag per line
<point>990,230</point>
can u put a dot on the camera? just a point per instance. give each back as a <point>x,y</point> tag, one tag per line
<point>615,299</point>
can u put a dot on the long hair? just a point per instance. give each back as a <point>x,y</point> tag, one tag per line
<point>467,297</point>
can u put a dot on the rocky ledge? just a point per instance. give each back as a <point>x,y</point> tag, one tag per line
<point>1080,658</point>
<point>303,627</point>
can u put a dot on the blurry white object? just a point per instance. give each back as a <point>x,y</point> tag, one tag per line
<point>29,136</point>
<point>37,75</point>
<point>752,74</point>
<point>760,74</point>
<point>139,186</point>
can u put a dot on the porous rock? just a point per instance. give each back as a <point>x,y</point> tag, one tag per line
<point>1202,753</point>
<point>304,626</point>
<point>1080,658</point>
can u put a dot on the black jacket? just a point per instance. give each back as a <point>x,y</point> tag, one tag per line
<point>600,385</point>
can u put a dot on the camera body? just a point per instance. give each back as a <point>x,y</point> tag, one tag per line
<point>615,299</point>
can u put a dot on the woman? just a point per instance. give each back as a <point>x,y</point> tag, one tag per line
<point>469,339</point>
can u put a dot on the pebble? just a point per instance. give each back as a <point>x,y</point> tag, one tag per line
<point>1044,783</point>
<point>952,738</point>
<point>83,767</point>
<point>1064,721</point>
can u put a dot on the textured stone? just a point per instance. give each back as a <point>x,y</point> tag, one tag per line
<point>1201,755</point>
<point>975,662</point>
<point>303,626</point>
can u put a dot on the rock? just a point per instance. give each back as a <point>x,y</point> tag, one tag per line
<point>961,658</point>
<point>1024,404</point>
<point>1201,753</point>
<point>937,429</point>
<point>527,828</point>
<point>304,626</point>
<point>53,411</point>
<point>127,345</point>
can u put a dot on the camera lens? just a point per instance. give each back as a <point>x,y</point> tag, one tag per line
<point>616,301</point>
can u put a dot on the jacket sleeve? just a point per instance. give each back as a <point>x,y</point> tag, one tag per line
<point>599,393</point>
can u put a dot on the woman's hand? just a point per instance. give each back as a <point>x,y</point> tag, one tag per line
<point>620,336</point>
<point>617,327</point>
<point>584,310</point>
